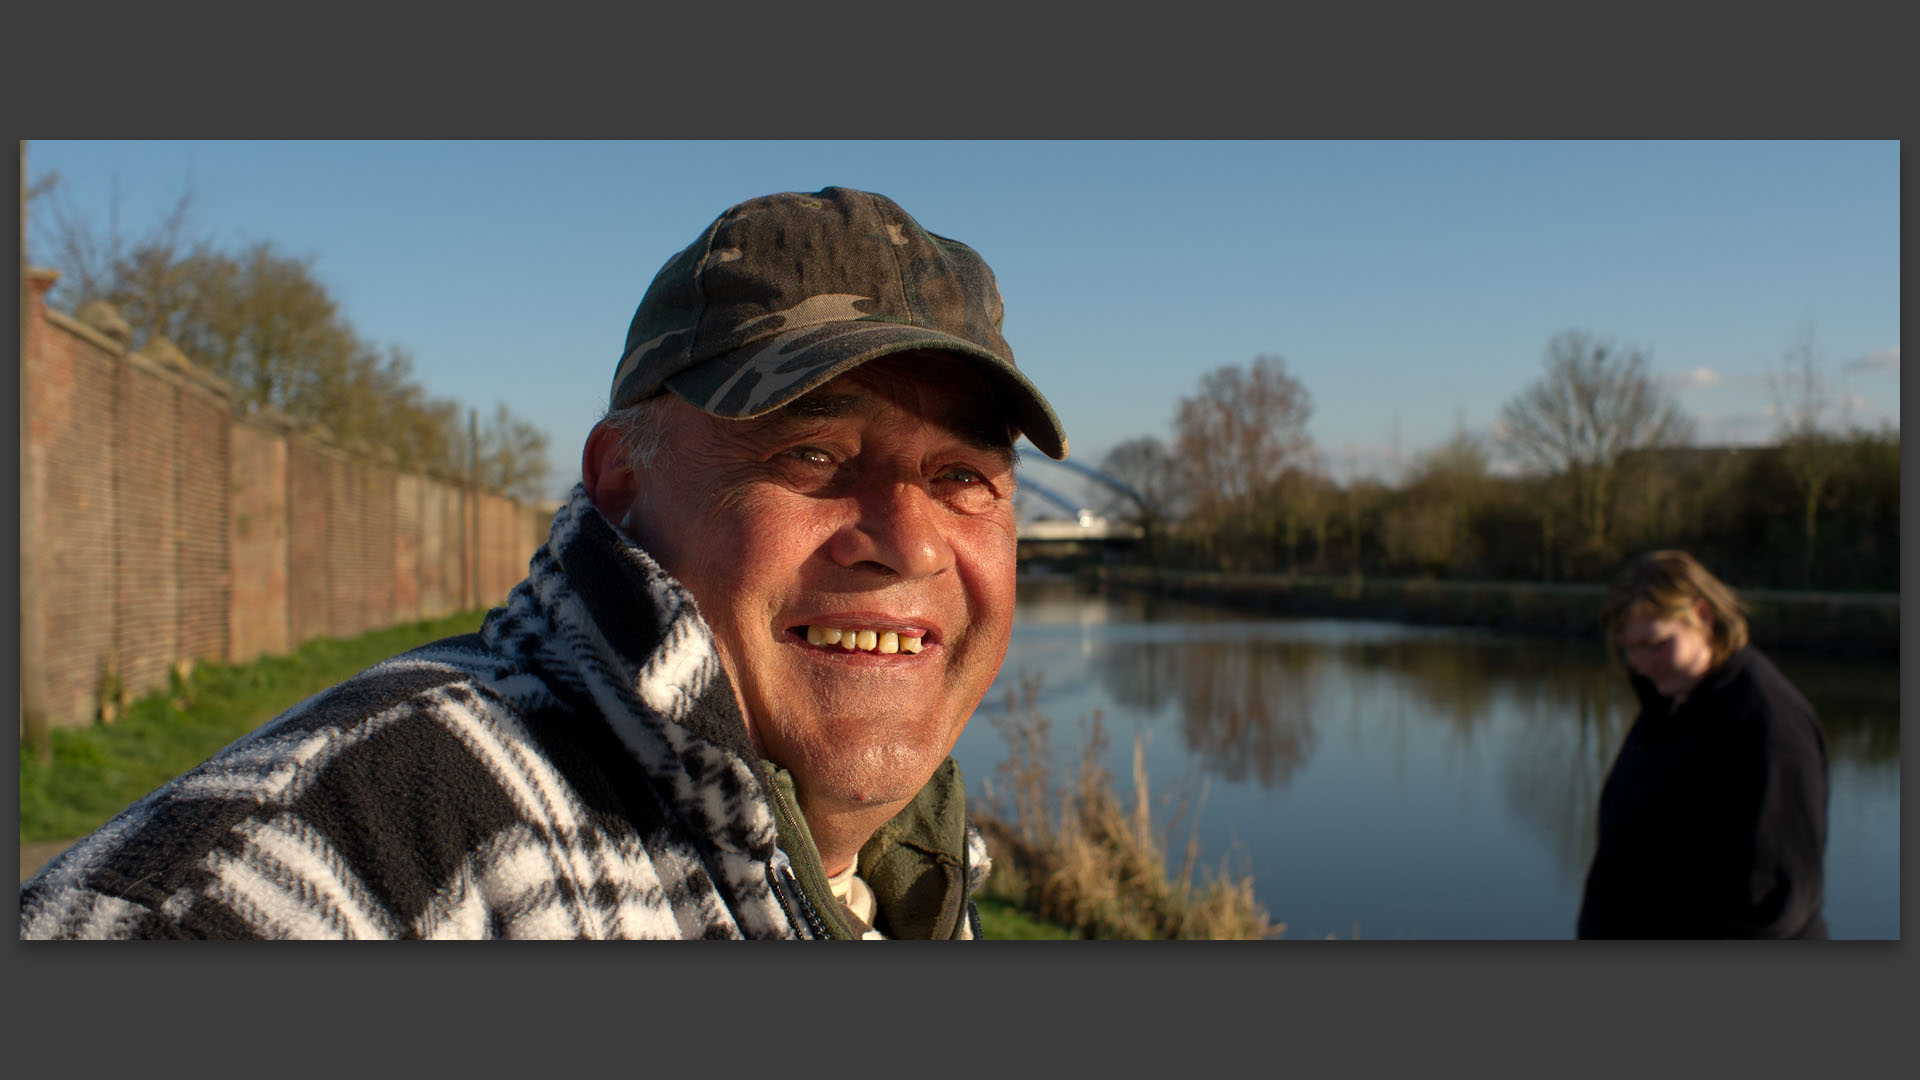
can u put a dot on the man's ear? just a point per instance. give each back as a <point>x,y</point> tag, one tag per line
<point>606,473</point>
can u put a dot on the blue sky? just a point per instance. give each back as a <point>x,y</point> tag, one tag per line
<point>1411,287</point>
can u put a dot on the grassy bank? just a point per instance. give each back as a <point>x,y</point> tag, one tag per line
<point>1001,920</point>
<point>95,772</point>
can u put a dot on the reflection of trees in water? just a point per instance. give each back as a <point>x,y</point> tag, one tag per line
<point>1570,721</point>
<point>1454,678</point>
<point>1568,709</point>
<point>1859,705</point>
<point>1143,675</point>
<point>1248,708</point>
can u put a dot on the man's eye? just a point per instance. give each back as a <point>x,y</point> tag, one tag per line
<point>812,455</point>
<point>963,475</point>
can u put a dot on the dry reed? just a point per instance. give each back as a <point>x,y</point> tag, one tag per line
<point>1092,863</point>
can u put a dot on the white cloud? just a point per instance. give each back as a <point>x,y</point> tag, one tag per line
<point>1761,425</point>
<point>1687,380</point>
<point>1878,360</point>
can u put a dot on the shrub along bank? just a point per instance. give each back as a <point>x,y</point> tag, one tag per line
<point>1862,625</point>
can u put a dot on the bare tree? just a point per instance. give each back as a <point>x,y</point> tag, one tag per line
<point>1145,465</point>
<point>104,263</point>
<point>47,184</point>
<point>513,456</point>
<point>1595,404</point>
<point>1238,434</point>
<point>1809,442</point>
<point>1235,439</point>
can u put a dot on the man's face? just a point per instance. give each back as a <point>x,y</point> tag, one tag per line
<point>879,506</point>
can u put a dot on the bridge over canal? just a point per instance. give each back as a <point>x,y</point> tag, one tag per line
<point>1072,528</point>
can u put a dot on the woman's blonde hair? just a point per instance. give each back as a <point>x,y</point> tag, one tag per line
<point>1664,585</point>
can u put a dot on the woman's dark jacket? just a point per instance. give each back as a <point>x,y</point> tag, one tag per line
<point>1713,821</point>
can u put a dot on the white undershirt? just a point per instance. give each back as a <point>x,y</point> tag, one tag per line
<point>857,899</point>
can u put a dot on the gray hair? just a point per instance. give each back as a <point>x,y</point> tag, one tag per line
<point>642,428</point>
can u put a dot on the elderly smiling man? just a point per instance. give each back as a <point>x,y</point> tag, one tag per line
<point>721,703</point>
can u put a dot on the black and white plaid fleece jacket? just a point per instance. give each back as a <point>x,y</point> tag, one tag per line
<point>578,768</point>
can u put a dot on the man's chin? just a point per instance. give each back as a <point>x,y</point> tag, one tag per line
<point>846,777</point>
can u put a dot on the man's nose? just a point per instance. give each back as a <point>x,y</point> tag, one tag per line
<point>898,530</point>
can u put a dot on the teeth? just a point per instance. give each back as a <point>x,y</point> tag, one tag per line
<point>882,641</point>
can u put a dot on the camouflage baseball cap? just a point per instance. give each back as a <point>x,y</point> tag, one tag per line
<point>782,293</point>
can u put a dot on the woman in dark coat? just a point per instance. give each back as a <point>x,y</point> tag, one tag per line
<point>1713,820</point>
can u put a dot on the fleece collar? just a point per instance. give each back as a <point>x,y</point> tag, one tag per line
<point>614,633</point>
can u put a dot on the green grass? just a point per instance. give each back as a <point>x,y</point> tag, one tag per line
<point>97,771</point>
<point>1001,921</point>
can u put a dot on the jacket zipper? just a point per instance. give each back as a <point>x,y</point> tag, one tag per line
<point>816,921</point>
<point>786,888</point>
<point>969,913</point>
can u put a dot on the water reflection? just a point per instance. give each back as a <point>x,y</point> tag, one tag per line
<point>1563,743</point>
<point>1145,675</point>
<point>1853,710</point>
<point>1248,712</point>
<point>1455,677</point>
<point>1354,763</point>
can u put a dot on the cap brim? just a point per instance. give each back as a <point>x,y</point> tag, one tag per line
<point>763,376</point>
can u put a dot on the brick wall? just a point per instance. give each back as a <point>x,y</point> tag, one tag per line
<point>146,530</point>
<point>202,437</point>
<point>257,551</point>
<point>72,546</point>
<point>345,517</point>
<point>407,489</point>
<point>165,527</point>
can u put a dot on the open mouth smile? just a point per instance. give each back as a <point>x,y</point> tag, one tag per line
<point>858,639</point>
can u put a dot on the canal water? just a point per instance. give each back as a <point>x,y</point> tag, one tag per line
<point>1382,781</point>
